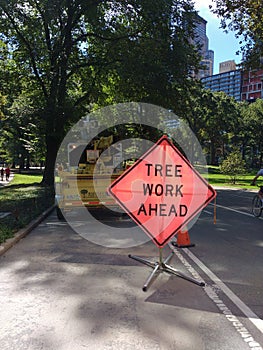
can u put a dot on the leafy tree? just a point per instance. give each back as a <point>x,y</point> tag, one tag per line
<point>158,63</point>
<point>214,117</point>
<point>248,135</point>
<point>253,123</point>
<point>245,18</point>
<point>73,54</point>
<point>233,166</point>
<point>24,127</point>
<point>193,107</point>
<point>3,155</point>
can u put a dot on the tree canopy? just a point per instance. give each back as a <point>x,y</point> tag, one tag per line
<point>70,54</point>
<point>245,18</point>
<point>62,58</point>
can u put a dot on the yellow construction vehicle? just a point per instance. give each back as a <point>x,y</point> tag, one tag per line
<point>90,170</point>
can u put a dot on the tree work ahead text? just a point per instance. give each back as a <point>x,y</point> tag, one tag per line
<point>163,189</point>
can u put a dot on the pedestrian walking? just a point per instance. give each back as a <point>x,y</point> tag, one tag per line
<point>7,173</point>
<point>2,174</point>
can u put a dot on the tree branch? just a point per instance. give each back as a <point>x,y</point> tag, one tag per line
<point>29,48</point>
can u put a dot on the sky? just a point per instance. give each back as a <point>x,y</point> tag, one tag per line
<point>224,45</point>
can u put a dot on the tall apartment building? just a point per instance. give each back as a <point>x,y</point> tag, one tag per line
<point>228,82</point>
<point>202,42</point>
<point>252,85</point>
<point>242,85</point>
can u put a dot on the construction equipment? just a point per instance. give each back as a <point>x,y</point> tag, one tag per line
<point>91,167</point>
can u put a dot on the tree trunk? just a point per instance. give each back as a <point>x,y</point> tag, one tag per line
<point>212,154</point>
<point>27,162</point>
<point>51,154</point>
<point>55,124</point>
<point>21,163</point>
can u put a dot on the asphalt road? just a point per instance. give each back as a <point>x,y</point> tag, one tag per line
<point>62,290</point>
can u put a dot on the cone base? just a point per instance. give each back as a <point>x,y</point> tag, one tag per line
<point>183,245</point>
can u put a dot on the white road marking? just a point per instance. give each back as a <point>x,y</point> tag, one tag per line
<point>207,212</point>
<point>256,320</point>
<point>212,294</point>
<point>237,211</point>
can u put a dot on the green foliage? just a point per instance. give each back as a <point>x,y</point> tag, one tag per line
<point>253,120</point>
<point>60,59</point>
<point>5,233</point>
<point>23,138</point>
<point>217,178</point>
<point>245,18</point>
<point>24,199</point>
<point>233,166</point>
<point>249,133</point>
<point>71,55</point>
<point>214,117</point>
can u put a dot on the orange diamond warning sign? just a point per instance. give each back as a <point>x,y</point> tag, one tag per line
<point>162,191</point>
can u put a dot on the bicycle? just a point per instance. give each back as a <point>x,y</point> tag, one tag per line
<point>257,205</point>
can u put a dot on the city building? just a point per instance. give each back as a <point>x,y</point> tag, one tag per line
<point>228,82</point>
<point>252,85</point>
<point>227,66</point>
<point>242,85</point>
<point>202,42</point>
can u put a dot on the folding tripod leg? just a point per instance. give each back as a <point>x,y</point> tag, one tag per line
<point>152,276</point>
<point>173,271</point>
<point>143,261</point>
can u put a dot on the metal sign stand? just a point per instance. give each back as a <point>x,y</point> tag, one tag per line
<point>162,266</point>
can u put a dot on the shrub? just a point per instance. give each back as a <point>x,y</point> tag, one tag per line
<point>24,203</point>
<point>233,166</point>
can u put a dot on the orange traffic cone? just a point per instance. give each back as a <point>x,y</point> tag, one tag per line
<point>183,240</point>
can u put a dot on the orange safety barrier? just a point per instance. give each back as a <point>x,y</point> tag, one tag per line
<point>183,240</point>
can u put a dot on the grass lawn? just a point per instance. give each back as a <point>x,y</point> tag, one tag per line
<point>24,179</point>
<point>215,178</point>
<point>23,199</point>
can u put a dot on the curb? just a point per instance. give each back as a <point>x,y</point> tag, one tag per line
<point>252,190</point>
<point>10,242</point>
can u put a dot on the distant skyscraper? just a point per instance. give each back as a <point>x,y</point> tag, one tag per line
<point>227,66</point>
<point>202,42</point>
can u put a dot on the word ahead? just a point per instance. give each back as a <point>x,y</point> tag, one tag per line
<point>163,210</point>
<point>162,191</point>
